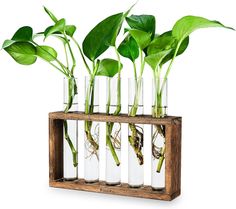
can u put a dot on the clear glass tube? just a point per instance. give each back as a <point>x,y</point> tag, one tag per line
<point>135,134</point>
<point>159,110</point>
<point>159,98</point>
<point>91,153</point>
<point>113,133</point>
<point>70,130</point>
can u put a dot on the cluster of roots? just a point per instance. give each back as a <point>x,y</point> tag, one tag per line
<point>136,141</point>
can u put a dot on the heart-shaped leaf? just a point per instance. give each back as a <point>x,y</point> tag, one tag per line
<point>22,52</point>
<point>50,14</point>
<point>155,60</point>
<point>142,38</point>
<point>7,43</point>
<point>188,24</point>
<point>108,67</point>
<point>164,42</point>
<point>23,34</point>
<point>129,48</point>
<point>59,27</point>
<point>145,23</point>
<point>46,52</point>
<point>70,30</point>
<point>160,43</point>
<point>102,36</point>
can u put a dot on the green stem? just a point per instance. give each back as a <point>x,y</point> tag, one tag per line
<point>67,60</point>
<point>118,105</point>
<point>161,159</point>
<point>135,71</point>
<point>71,92</point>
<point>136,138</point>
<point>109,127</point>
<point>62,71</point>
<point>71,53</point>
<point>170,65</point>
<point>110,145</point>
<point>60,63</point>
<point>73,150</point>
<point>109,97</point>
<point>82,55</point>
<point>88,110</point>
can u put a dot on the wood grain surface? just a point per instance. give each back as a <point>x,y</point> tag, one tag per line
<point>172,156</point>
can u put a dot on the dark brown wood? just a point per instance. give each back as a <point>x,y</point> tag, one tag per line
<point>102,117</point>
<point>172,156</point>
<point>55,149</point>
<point>123,189</point>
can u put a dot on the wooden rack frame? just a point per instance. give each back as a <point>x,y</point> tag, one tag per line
<point>172,156</point>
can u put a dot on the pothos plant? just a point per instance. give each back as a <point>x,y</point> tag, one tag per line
<point>98,40</point>
<point>157,51</point>
<point>23,47</point>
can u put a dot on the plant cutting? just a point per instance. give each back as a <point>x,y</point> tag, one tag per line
<point>98,40</point>
<point>140,34</point>
<point>156,51</point>
<point>163,50</point>
<point>25,50</point>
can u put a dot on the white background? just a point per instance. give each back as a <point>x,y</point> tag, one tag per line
<point>201,90</point>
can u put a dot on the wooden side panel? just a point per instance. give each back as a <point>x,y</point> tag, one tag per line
<point>173,157</point>
<point>55,149</point>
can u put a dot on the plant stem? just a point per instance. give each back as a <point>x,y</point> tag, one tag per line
<point>67,60</point>
<point>158,104</point>
<point>109,127</point>
<point>170,65</point>
<point>60,63</point>
<point>72,91</point>
<point>82,55</point>
<point>73,150</point>
<point>161,159</point>
<point>89,103</point>
<point>118,105</point>
<point>136,138</point>
<point>62,71</point>
<point>71,53</point>
<point>135,71</point>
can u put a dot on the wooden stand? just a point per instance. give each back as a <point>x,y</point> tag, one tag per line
<point>172,156</point>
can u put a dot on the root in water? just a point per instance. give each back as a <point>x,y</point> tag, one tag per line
<point>136,141</point>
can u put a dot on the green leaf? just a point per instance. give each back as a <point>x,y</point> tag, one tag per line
<point>142,38</point>
<point>129,48</point>
<point>56,35</point>
<point>164,42</point>
<point>59,27</point>
<point>22,52</point>
<point>46,52</point>
<point>50,14</point>
<point>154,60</point>
<point>7,43</point>
<point>23,34</point>
<point>108,67</point>
<point>160,43</point>
<point>102,36</point>
<point>146,23</point>
<point>70,30</point>
<point>188,24</point>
